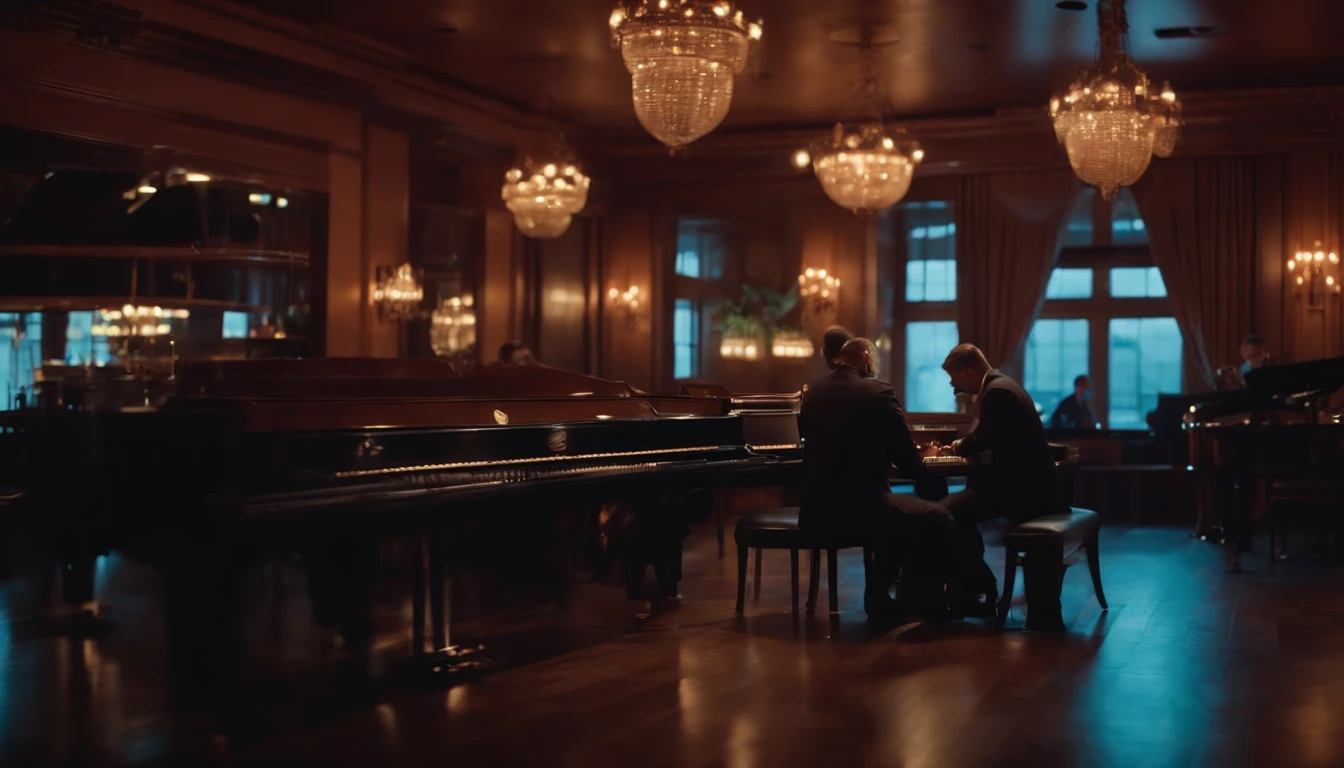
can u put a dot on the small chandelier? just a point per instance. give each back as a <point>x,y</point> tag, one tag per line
<point>820,289</point>
<point>1315,274</point>
<point>682,56</point>
<point>1166,123</point>
<point>867,167</point>
<point>452,327</point>
<point>398,292</point>
<point>545,192</point>
<point>1108,118</point>
<point>627,301</point>
<point>790,345</point>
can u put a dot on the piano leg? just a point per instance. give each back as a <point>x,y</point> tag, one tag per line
<point>201,611</point>
<point>656,538</point>
<point>445,663</point>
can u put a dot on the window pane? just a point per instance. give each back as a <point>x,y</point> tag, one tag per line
<point>1079,230</point>
<point>931,245</point>
<point>1145,360</point>
<point>235,325</point>
<point>685,339</point>
<point>1137,283</point>
<point>1069,283</point>
<point>1126,224</point>
<point>20,355</point>
<point>1057,353</point>
<point>927,389</point>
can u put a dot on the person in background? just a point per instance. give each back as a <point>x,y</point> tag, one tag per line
<point>853,430</point>
<point>1253,355</point>
<point>831,343</point>
<point>1073,412</point>
<point>1013,476</point>
<point>516,353</point>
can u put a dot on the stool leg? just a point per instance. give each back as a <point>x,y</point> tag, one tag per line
<point>718,520</point>
<point>1009,574</point>
<point>793,575</point>
<point>756,579</point>
<point>1094,566</point>
<point>1273,538</point>
<point>832,581</point>
<point>741,576</point>
<point>813,579</point>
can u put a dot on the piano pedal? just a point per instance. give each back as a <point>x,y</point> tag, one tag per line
<point>449,666</point>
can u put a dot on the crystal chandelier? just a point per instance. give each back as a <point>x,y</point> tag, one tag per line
<point>866,167</point>
<point>398,292</point>
<point>682,56</point>
<point>544,192</point>
<point>1108,119</point>
<point>1166,123</point>
<point>452,327</point>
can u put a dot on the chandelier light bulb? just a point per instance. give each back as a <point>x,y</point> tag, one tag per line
<point>682,57</point>
<point>544,192</point>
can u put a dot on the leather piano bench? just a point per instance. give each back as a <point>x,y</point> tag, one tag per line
<point>778,529</point>
<point>1058,539</point>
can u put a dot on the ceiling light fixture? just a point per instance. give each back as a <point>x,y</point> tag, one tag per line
<point>544,192</point>
<point>682,56</point>
<point>1108,118</point>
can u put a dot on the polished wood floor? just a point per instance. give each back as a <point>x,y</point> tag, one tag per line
<point>1190,667</point>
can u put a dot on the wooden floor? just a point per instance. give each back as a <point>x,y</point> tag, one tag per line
<point>1190,667</point>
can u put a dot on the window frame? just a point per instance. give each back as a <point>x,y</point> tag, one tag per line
<point>907,312</point>
<point>705,291</point>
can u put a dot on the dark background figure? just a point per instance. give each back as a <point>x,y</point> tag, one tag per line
<point>1074,412</point>
<point>831,343</point>
<point>516,353</point>
<point>853,430</point>
<point>1013,476</point>
<point>1253,355</point>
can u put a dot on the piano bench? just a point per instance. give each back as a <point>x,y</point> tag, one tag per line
<point>778,529</point>
<point>1065,539</point>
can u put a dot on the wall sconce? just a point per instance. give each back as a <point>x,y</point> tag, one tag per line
<point>739,348</point>
<point>626,301</point>
<point>822,290</point>
<point>398,292</point>
<point>1315,274</point>
<point>791,346</point>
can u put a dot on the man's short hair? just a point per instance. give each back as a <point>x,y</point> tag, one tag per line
<point>964,356</point>
<point>833,340</point>
<point>857,347</point>
<point>1083,379</point>
<point>1253,340</point>
<point>507,349</point>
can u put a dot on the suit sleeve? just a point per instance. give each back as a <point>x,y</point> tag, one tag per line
<point>995,423</point>
<point>1057,418</point>
<point>900,445</point>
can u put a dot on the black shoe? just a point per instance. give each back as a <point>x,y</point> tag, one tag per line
<point>973,606</point>
<point>881,607</point>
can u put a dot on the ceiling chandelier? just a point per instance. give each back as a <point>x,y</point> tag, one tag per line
<point>544,192</point>
<point>682,56</point>
<point>1110,121</point>
<point>865,167</point>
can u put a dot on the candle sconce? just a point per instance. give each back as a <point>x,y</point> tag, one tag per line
<point>1315,275</point>
<point>819,289</point>
<point>626,302</point>
<point>398,292</point>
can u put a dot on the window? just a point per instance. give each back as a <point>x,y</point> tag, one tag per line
<point>1057,353</point>
<point>235,325</point>
<point>81,346</point>
<point>931,248</point>
<point>1145,358</point>
<point>1069,283</point>
<point>926,385</point>
<point>700,247</point>
<point>20,355</point>
<point>1106,315</point>
<point>686,340</point>
<point>1137,283</point>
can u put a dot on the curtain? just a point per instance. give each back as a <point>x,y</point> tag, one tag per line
<point>1009,229</point>
<point>1200,215</point>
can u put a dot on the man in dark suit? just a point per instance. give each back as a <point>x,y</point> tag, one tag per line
<point>853,431</point>
<point>1073,412</point>
<point>831,343</point>
<point>1013,476</point>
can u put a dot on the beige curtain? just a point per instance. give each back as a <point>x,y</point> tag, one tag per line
<point>1009,228</point>
<point>1200,214</point>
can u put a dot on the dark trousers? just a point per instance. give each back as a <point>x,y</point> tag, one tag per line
<point>972,575</point>
<point>914,544</point>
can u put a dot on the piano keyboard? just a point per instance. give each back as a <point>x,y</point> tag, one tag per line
<point>945,461</point>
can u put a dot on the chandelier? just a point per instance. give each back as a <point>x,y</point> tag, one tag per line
<point>398,292</point>
<point>1108,120</point>
<point>682,56</point>
<point>819,288</point>
<point>132,320</point>
<point>452,327</point>
<point>866,167</point>
<point>544,192</point>
<point>1315,275</point>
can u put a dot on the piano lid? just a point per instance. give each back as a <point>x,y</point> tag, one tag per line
<point>1295,380</point>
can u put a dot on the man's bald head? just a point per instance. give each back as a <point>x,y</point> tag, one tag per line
<point>860,354</point>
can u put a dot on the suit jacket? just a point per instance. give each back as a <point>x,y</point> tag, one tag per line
<point>853,430</point>
<point>1014,471</point>
<point>1072,413</point>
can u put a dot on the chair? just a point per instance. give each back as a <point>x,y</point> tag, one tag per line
<point>778,529</point>
<point>1066,538</point>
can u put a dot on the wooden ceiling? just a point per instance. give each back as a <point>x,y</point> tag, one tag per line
<point>953,57</point>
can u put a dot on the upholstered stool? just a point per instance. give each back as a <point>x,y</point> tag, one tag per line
<point>778,529</point>
<point>1064,538</point>
<point>1300,497</point>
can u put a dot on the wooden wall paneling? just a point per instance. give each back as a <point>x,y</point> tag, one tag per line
<point>1312,216</point>
<point>386,228</point>
<point>563,302</point>
<point>1271,307</point>
<point>347,286</point>
<point>497,303</point>
<point>627,351</point>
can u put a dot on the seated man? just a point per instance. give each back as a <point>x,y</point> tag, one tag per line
<point>853,430</point>
<point>1013,476</point>
<point>1073,412</point>
<point>832,342</point>
<point>516,353</point>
